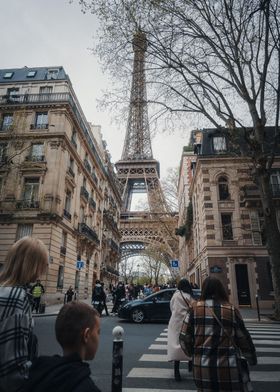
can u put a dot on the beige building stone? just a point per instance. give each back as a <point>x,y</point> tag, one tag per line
<point>55,179</point>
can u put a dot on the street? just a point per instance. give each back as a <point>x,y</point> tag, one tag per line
<point>145,349</point>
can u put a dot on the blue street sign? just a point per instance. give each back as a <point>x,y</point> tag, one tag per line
<point>175,263</point>
<point>80,264</point>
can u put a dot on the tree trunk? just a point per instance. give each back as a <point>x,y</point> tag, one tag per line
<point>273,236</point>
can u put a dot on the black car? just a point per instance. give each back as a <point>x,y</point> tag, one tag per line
<point>153,307</point>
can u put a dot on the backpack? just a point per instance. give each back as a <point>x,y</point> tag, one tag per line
<point>98,291</point>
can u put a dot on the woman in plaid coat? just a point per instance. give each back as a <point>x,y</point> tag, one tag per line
<point>26,260</point>
<point>214,354</point>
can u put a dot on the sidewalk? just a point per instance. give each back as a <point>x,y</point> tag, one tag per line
<point>248,314</point>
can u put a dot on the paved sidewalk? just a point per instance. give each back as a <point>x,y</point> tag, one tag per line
<point>248,314</point>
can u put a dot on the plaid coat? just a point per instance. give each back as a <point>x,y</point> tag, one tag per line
<point>15,328</point>
<point>214,355</point>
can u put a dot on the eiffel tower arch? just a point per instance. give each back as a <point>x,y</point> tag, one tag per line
<point>139,172</point>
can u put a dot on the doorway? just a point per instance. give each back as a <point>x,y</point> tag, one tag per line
<point>242,283</point>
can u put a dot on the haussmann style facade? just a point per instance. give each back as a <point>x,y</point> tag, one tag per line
<point>56,181</point>
<point>221,219</point>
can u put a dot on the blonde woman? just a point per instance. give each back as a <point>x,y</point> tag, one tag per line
<point>26,260</point>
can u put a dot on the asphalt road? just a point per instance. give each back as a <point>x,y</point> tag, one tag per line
<point>145,364</point>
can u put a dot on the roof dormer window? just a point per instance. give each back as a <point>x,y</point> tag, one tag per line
<point>52,74</point>
<point>31,74</point>
<point>8,75</point>
<point>219,144</point>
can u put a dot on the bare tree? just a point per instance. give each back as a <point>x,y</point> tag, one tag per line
<point>218,60</point>
<point>155,262</point>
<point>127,269</point>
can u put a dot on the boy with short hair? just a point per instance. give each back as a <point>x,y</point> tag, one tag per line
<point>77,330</point>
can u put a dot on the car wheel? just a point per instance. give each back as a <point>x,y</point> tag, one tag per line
<point>137,315</point>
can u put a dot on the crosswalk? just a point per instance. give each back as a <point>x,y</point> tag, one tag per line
<point>155,374</point>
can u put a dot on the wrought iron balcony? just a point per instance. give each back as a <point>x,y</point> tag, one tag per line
<point>112,270</point>
<point>85,230</point>
<point>35,158</point>
<point>87,165</point>
<point>39,126</point>
<point>67,214</point>
<point>113,245</point>
<point>84,192</point>
<point>30,204</point>
<point>92,203</point>
<point>71,172</point>
<point>94,177</point>
<point>73,141</point>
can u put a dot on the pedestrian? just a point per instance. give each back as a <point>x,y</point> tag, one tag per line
<point>25,262</point>
<point>119,297</point>
<point>180,304</point>
<point>69,295</point>
<point>37,291</point>
<point>77,330</point>
<point>215,334</point>
<point>99,297</point>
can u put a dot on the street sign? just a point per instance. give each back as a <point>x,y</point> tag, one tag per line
<point>175,263</point>
<point>80,264</point>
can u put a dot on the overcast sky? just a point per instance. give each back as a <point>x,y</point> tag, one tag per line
<point>53,32</point>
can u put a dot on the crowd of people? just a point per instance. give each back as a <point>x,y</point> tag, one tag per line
<point>208,333</point>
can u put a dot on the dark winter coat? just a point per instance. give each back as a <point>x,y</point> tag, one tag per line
<point>214,355</point>
<point>60,374</point>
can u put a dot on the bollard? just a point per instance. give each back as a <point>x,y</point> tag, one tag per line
<point>117,364</point>
<point>258,307</point>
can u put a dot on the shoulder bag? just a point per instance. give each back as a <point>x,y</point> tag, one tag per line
<point>242,364</point>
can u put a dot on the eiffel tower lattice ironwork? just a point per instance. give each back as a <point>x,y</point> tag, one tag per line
<point>138,172</point>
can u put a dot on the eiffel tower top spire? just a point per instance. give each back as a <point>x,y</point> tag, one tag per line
<point>137,144</point>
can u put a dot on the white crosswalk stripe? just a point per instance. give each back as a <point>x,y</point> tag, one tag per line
<point>154,367</point>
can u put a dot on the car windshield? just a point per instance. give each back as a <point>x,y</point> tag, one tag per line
<point>161,296</point>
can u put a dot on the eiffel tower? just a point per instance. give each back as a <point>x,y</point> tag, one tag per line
<point>139,172</point>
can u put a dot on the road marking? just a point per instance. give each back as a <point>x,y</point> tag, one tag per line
<point>168,373</point>
<point>158,347</point>
<point>163,334</point>
<point>154,358</point>
<point>268,342</point>
<point>156,390</point>
<point>267,349</point>
<point>161,339</point>
<point>264,336</point>
<point>266,332</point>
<point>268,360</point>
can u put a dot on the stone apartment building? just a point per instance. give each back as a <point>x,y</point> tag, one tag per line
<point>55,179</point>
<point>222,233</point>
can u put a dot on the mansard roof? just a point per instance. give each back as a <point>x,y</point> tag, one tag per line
<point>27,74</point>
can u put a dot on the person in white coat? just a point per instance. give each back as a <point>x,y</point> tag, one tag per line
<point>180,304</point>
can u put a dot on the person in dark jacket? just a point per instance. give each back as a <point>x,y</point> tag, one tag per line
<point>70,293</point>
<point>77,330</point>
<point>120,295</point>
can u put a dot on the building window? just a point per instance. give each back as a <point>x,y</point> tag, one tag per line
<point>45,90</point>
<point>3,152</point>
<point>52,74</point>
<point>74,138</point>
<point>31,190</point>
<point>84,182</point>
<point>13,94</point>
<point>24,230</point>
<point>219,144</point>
<point>227,227</point>
<point>7,121</point>
<point>37,152</point>
<point>223,188</point>
<point>8,75</point>
<point>275,183</point>
<point>257,227</point>
<point>269,274</point>
<point>68,201</point>
<point>82,215</point>
<point>41,120</point>
<point>60,277</point>
<point>63,246</point>
<point>71,164</point>
<point>31,74</point>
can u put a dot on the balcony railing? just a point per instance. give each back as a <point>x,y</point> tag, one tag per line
<point>85,230</point>
<point>73,141</point>
<point>87,165</point>
<point>95,179</point>
<point>92,203</point>
<point>56,97</point>
<point>35,158</point>
<point>30,204</point>
<point>84,192</point>
<point>39,126</point>
<point>67,214</point>
<point>112,270</point>
<point>71,172</point>
<point>113,245</point>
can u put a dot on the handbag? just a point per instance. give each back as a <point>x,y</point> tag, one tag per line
<point>242,363</point>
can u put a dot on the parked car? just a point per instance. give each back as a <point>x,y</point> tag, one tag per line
<point>153,307</point>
